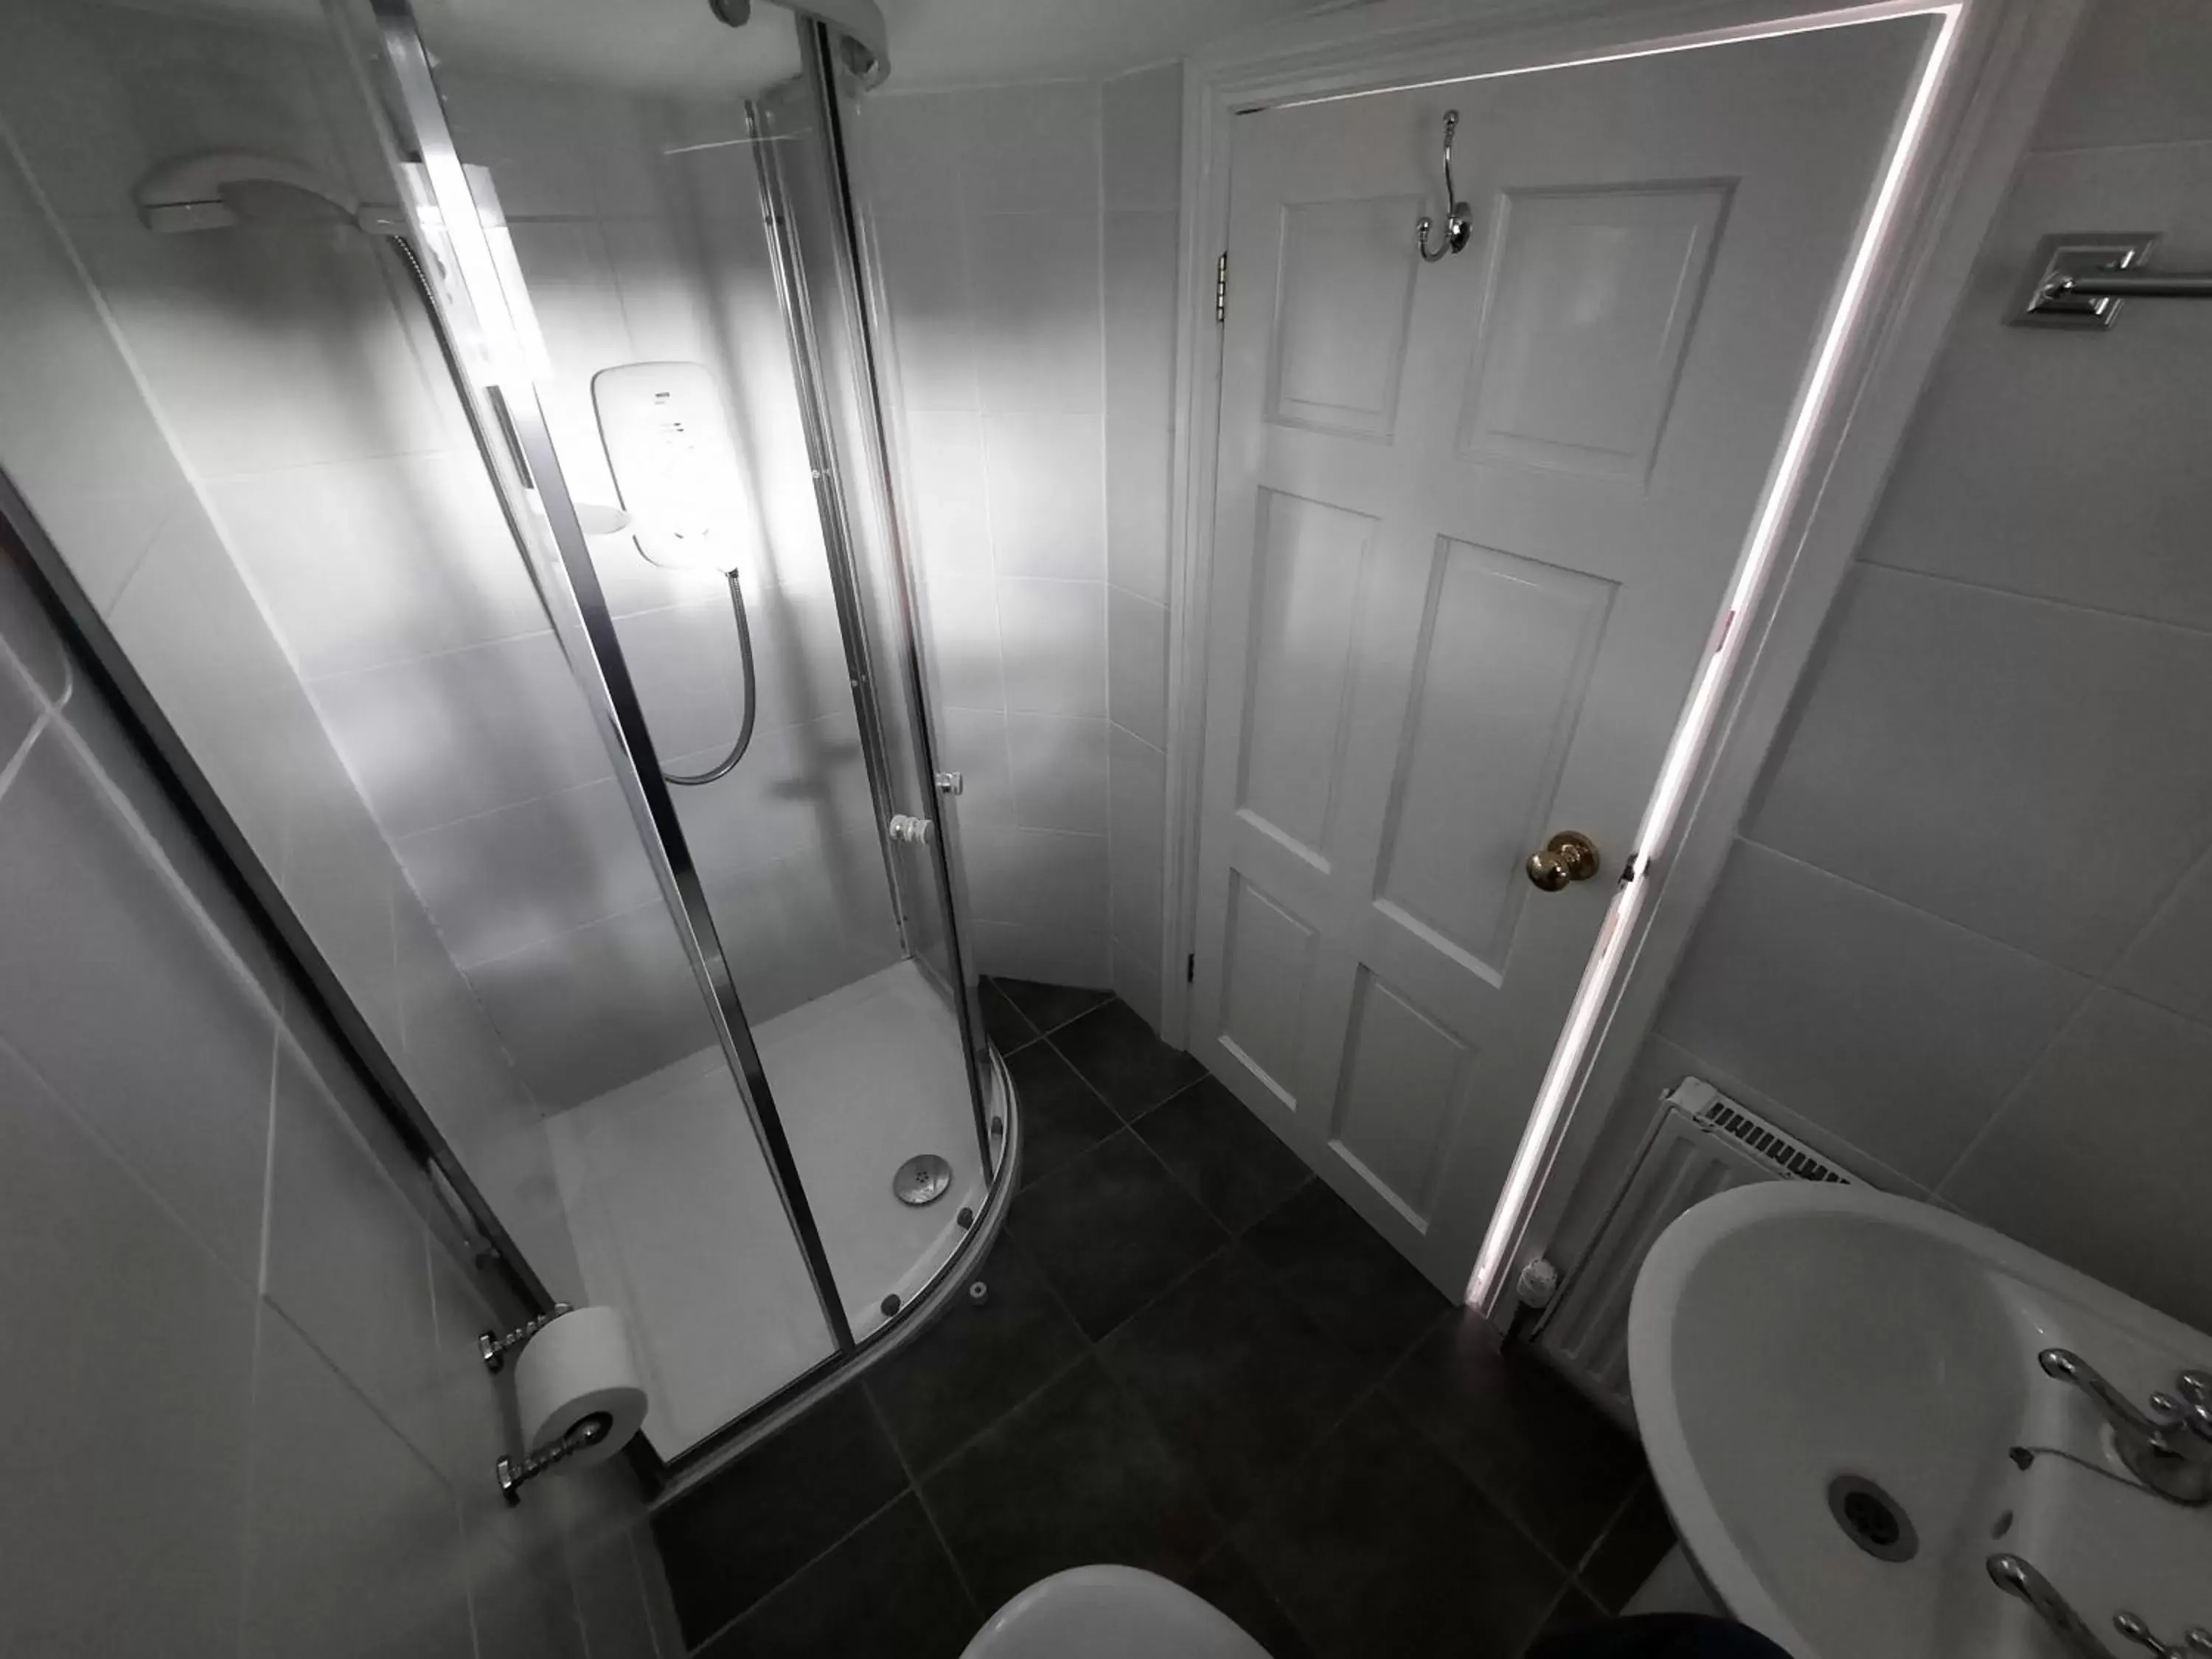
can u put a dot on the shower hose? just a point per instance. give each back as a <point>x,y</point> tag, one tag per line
<point>721,768</point>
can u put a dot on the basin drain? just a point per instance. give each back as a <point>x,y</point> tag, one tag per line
<point>1872,1519</point>
<point>921,1180</point>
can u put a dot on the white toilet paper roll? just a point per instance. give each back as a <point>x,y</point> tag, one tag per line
<point>578,1365</point>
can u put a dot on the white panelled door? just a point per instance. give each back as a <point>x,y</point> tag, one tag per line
<point>1474,520</point>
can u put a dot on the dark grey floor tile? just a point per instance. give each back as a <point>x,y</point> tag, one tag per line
<point>1226,1579</point>
<point>1573,1611</point>
<point>1632,1546</point>
<point>1521,1432</point>
<point>1377,1545</point>
<point>1344,1275</point>
<point>1112,1230</point>
<point>731,1539</point>
<point>1239,1383</point>
<point>1117,1054</point>
<point>1231,1160</point>
<point>975,1363</point>
<point>1061,1117</point>
<point>1046,1007</point>
<point>1074,1475</point>
<point>1002,1022</point>
<point>889,1591</point>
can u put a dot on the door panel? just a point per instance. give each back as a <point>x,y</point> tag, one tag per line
<point>1593,296</point>
<point>1473,522</point>
<point>1507,648</point>
<point>1303,589</point>
<point>1347,300</point>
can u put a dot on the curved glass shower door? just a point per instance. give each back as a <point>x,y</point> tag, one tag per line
<point>477,465</point>
<point>659,243</point>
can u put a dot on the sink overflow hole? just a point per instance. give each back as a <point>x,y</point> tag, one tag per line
<point>1872,1519</point>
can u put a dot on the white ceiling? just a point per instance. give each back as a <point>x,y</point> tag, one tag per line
<point>678,45</point>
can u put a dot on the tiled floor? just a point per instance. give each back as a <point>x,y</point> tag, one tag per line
<point>1196,1358</point>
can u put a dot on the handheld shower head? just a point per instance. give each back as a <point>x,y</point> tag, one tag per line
<point>192,192</point>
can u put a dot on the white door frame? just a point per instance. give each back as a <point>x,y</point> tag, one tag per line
<point>1968,126</point>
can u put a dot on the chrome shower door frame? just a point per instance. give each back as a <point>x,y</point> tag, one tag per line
<point>452,215</point>
<point>848,279</point>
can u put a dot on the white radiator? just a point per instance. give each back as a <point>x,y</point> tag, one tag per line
<point>1704,1143</point>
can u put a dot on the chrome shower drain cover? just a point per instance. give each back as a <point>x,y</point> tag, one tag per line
<point>921,1180</point>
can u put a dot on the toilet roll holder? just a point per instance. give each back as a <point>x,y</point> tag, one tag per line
<point>583,1434</point>
<point>492,1348</point>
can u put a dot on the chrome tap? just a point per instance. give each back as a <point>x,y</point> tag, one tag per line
<point>2016,1577</point>
<point>2170,1453</point>
<point>2198,1640</point>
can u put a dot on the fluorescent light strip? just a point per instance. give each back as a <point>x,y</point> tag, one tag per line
<point>1839,17</point>
<point>1694,730</point>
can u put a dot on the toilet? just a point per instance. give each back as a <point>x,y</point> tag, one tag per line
<point>1110,1612</point>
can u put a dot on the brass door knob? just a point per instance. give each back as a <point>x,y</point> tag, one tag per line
<point>1568,856</point>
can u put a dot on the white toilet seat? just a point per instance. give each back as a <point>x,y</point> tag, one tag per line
<point>1110,1612</point>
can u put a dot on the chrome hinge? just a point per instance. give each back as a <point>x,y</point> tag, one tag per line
<point>1221,285</point>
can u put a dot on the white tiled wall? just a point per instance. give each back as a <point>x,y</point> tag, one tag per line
<point>250,1416</point>
<point>315,507</point>
<point>97,453</point>
<point>1027,239</point>
<point>1962,942</point>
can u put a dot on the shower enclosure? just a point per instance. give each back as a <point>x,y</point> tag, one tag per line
<point>457,440</point>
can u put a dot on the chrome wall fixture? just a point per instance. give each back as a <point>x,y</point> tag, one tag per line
<point>491,1347</point>
<point>1459,222</point>
<point>2080,280</point>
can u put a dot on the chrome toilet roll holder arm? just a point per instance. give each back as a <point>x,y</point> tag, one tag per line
<point>492,1348</point>
<point>584,1433</point>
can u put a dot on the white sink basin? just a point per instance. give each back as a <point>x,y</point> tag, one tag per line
<point>1785,1334</point>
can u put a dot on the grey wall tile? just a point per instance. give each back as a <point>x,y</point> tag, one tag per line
<point>1054,639</point>
<point>1053,955</point>
<point>2069,473</point>
<point>1899,1031</point>
<point>368,561</point>
<point>1138,828</point>
<point>908,144</point>
<point>1029,148</point>
<point>75,433</point>
<point>2137,76</point>
<point>932,319</point>
<point>320,1573</point>
<point>1139,456</point>
<point>1039,878</point>
<point>1047,511</point>
<point>448,737</point>
<point>2170,962</point>
<point>1140,316</point>
<point>2099,1160</point>
<point>115,987</point>
<point>1946,717</point>
<point>129,1378</point>
<point>1137,665</point>
<point>1059,771</point>
<point>506,879</point>
<point>1140,123</point>
<point>1038,341</point>
<point>348,1260</point>
<point>585,1010</point>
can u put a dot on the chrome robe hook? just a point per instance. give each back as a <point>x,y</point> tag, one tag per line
<point>1458,223</point>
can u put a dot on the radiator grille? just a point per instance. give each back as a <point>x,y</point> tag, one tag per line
<point>1704,1143</point>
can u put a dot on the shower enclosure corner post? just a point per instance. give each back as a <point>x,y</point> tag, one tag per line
<point>851,276</point>
<point>505,411</point>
